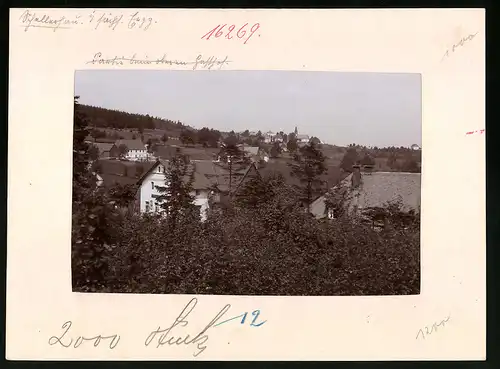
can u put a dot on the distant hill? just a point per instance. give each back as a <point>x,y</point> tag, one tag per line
<point>109,118</point>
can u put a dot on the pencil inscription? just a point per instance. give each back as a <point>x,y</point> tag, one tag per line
<point>95,19</point>
<point>434,328</point>
<point>459,44</point>
<point>200,62</point>
<point>68,342</point>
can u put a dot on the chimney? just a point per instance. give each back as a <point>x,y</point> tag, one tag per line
<point>356,176</point>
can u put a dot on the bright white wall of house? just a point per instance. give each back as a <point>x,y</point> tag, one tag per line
<point>137,154</point>
<point>149,191</point>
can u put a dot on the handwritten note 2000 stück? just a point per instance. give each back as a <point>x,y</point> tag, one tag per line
<point>170,336</point>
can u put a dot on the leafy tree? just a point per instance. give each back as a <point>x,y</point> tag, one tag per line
<point>337,201</point>
<point>208,137</point>
<point>122,150</point>
<point>176,196</point>
<point>275,150</point>
<point>187,137</point>
<point>134,137</point>
<point>93,215</point>
<point>152,142</point>
<point>308,166</point>
<point>392,214</point>
<point>259,136</point>
<point>392,161</point>
<point>234,156</point>
<point>411,166</point>
<point>81,176</point>
<point>139,171</point>
<point>164,138</point>
<point>292,145</point>
<point>93,153</point>
<point>246,133</point>
<point>122,195</point>
<point>98,134</point>
<point>98,168</point>
<point>367,160</point>
<point>350,158</point>
<point>315,140</point>
<point>258,190</point>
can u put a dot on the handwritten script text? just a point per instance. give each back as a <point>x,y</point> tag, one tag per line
<point>199,62</point>
<point>171,335</point>
<point>459,44</point>
<point>166,337</point>
<point>433,328</point>
<point>95,20</point>
<point>65,341</point>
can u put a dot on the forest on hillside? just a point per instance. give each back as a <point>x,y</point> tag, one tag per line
<point>101,121</point>
<point>108,118</point>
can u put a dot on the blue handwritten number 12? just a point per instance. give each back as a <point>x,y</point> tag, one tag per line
<point>243,317</point>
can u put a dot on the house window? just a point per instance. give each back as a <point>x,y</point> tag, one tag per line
<point>147,206</point>
<point>152,185</point>
<point>331,214</point>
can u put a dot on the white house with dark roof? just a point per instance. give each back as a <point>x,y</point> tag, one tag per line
<point>136,150</point>
<point>208,176</point>
<point>155,176</point>
<point>370,189</point>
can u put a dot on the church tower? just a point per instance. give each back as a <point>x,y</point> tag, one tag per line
<point>296,131</point>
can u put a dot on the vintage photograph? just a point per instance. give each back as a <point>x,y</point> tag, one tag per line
<point>246,183</point>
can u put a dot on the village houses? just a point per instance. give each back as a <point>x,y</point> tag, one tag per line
<point>366,189</point>
<point>134,150</point>
<point>210,182</point>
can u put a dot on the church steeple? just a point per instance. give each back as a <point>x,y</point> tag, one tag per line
<point>296,131</point>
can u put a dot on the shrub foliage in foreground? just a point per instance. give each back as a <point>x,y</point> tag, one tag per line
<point>273,248</point>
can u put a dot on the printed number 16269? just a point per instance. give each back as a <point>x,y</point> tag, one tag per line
<point>220,30</point>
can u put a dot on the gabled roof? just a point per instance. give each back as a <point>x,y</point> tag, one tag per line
<point>200,181</point>
<point>331,177</point>
<point>302,137</point>
<point>379,188</point>
<point>251,168</point>
<point>109,180</point>
<point>252,150</point>
<point>131,144</point>
<point>103,146</point>
<point>117,167</point>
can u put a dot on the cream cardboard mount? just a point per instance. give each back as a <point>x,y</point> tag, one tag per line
<point>46,320</point>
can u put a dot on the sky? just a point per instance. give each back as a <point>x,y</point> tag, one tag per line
<point>371,109</point>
